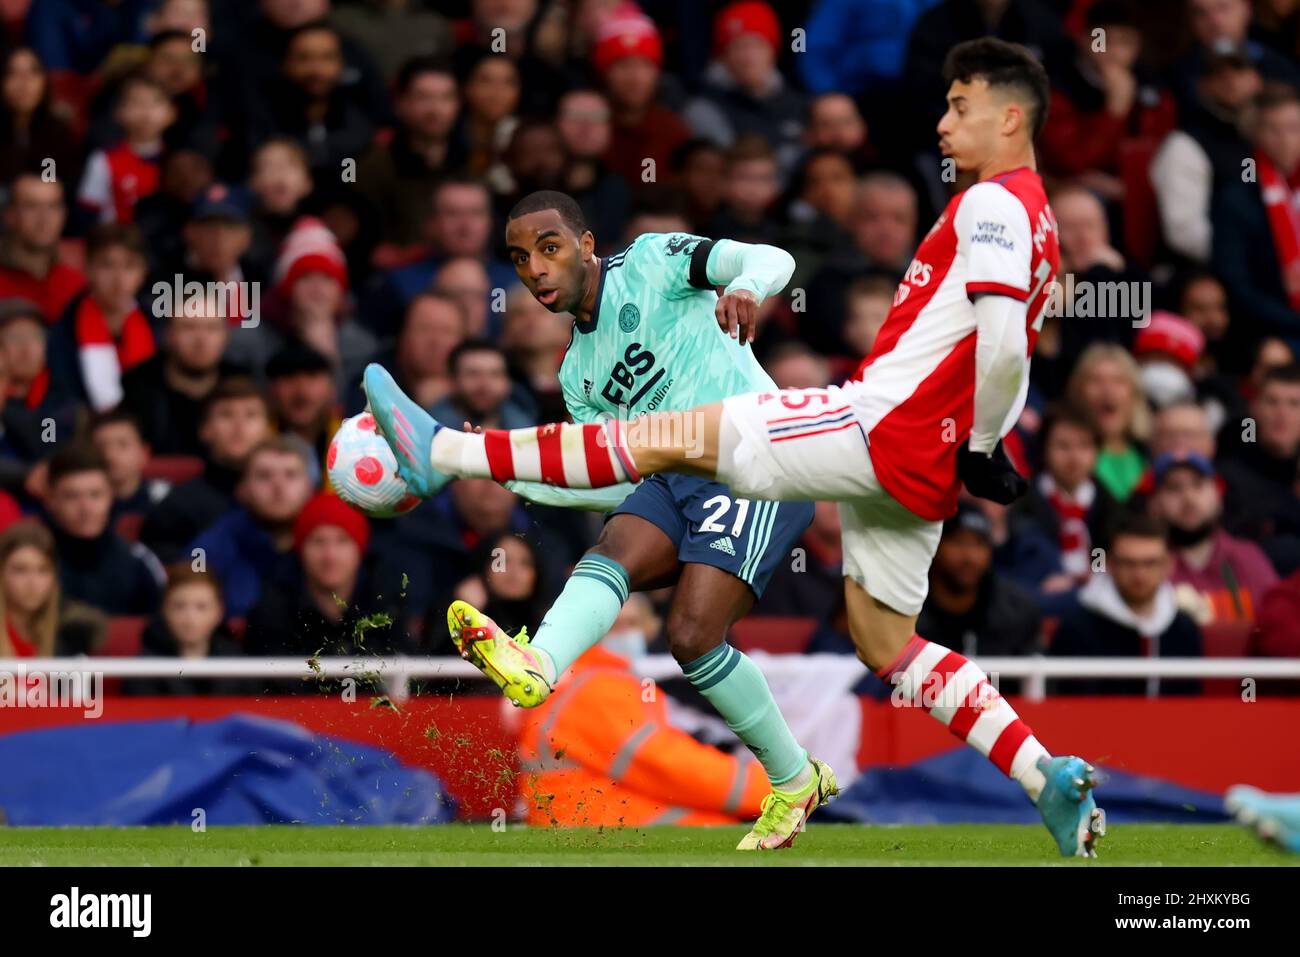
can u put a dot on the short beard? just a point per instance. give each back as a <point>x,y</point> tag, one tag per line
<point>1190,537</point>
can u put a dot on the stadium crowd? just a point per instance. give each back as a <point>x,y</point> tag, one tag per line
<point>341,172</point>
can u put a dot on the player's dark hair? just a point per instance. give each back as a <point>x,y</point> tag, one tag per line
<point>564,204</point>
<point>73,460</point>
<point>470,346</point>
<point>1002,64</point>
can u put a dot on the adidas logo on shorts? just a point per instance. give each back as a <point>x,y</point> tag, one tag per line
<point>724,545</point>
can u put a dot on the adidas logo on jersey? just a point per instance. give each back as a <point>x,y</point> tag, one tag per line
<point>586,387</point>
<point>724,545</point>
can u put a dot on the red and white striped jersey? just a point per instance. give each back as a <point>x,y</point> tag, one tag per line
<point>916,401</point>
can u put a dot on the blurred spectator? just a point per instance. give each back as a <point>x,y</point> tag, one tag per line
<point>217,237</point>
<point>166,393</point>
<point>1256,229</point>
<point>398,176</point>
<point>184,178</point>
<point>300,384</point>
<point>465,280</point>
<point>867,305</point>
<point>36,416</point>
<point>249,548</point>
<point>884,224</point>
<point>117,438</point>
<point>490,91</point>
<point>582,117</point>
<point>1064,501</point>
<point>177,68</point>
<point>1219,577</point>
<point>189,625</point>
<point>792,365</point>
<point>234,419</point>
<point>1106,385</point>
<point>700,171</point>
<point>281,182</point>
<point>29,592</point>
<point>1101,98</point>
<point>969,606</point>
<point>835,123</point>
<point>535,340</point>
<point>103,332</point>
<point>30,265</point>
<point>858,45</point>
<point>506,583</point>
<point>1129,611</point>
<point>534,159</point>
<point>1023,554</point>
<point>1182,427</point>
<point>310,299</point>
<point>1203,301</point>
<point>118,177</point>
<point>531,35</point>
<point>628,55</point>
<point>821,213</point>
<point>1259,459</point>
<point>310,100</point>
<point>33,131</point>
<point>482,393</point>
<point>1167,349</point>
<point>751,190</point>
<point>743,92</point>
<point>1226,24</point>
<point>1205,152</point>
<point>334,610</point>
<point>95,565</point>
<point>395,32</point>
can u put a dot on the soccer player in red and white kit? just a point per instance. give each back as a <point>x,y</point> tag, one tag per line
<point>926,411</point>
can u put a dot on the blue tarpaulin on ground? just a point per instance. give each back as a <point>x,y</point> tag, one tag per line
<point>239,770</point>
<point>962,786</point>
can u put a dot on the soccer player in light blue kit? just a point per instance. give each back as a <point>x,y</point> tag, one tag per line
<point>650,333</point>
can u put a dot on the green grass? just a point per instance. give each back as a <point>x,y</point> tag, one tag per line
<point>827,844</point>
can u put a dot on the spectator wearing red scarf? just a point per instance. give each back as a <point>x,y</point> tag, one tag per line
<point>104,333</point>
<point>30,268</point>
<point>1257,223</point>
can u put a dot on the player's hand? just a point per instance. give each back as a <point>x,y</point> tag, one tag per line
<point>476,429</point>
<point>993,477</point>
<point>737,314</point>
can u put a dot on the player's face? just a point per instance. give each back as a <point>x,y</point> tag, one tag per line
<point>550,259</point>
<point>969,130</point>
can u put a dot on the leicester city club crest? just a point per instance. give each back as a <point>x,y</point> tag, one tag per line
<point>629,317</point>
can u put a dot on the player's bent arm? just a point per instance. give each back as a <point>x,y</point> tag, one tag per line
<point>754,267</point>
<point>1001,367</point>
<point>586,499</point>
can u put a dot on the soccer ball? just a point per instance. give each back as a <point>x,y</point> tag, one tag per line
<point>363,470</point>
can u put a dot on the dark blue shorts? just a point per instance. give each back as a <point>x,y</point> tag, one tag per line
<point>708,525</point>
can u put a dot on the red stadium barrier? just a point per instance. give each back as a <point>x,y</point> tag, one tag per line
<point>1202,743</point>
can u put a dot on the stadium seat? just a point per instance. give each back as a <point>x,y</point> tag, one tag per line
<point>1225,639</point>
<point>776,635</point>
<point>173,468</point>
<point>124,637</point>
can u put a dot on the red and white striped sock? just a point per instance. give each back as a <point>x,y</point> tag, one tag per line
<point>571,456</point>
<point>956,691</point>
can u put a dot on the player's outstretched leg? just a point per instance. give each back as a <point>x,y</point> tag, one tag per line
<point>594,455</point>
<point>1274,817</point>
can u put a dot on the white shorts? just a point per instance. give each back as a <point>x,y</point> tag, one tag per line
<point>808,444</point>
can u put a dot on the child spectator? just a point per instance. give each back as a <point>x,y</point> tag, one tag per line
<point>120,176</point>
<point>96,566</point>
<point>104,333</point>
<point>29,592</point>
<point>189,625</point>
<point>234,420</point>
<point>116,436</point>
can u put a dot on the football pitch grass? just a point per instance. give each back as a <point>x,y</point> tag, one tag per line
<point>480,845</point>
